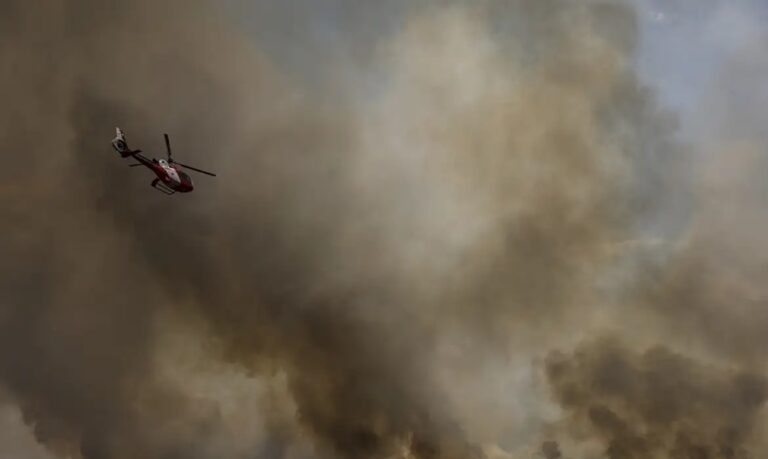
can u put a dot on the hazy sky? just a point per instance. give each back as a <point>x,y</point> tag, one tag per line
<point>686,44</point>
<point>683,43</point>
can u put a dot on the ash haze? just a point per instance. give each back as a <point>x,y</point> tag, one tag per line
<point>491,229</point>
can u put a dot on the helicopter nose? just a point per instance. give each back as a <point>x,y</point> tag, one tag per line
<point>186,183</point>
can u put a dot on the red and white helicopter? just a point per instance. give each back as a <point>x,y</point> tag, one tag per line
<point>170,178</point>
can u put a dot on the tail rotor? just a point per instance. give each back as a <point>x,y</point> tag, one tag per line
<point>121,145</point>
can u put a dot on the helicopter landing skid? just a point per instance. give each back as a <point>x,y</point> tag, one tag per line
<point>162,187</point>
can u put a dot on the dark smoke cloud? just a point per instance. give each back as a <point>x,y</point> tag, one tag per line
<point>657,403</point>
<point>551,450</point>
<point>479,177</point>
<point>252,257</point>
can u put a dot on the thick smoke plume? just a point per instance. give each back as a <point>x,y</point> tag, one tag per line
<point>473,189</point>
<point>658,403</point>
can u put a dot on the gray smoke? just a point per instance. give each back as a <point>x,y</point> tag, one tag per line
<point>658,403</point>
<point>460,194</point>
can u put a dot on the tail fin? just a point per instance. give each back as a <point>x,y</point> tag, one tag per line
<point>120,145</point>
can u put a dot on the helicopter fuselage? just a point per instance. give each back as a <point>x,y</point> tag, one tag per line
<point>170,178</point>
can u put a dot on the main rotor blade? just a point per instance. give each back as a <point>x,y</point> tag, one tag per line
<point>167,145</point>
<point>134,165</point>
<point>196,169</point>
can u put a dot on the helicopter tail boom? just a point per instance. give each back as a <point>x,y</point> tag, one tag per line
<point>121,145</point>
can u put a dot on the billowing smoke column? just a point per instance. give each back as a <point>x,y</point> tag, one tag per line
<point>658,403</point>
<point>475,191</point>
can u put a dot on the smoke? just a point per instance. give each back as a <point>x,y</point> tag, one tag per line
<point>551,450</point>
<point>657,403</point>
<point>255,259</point>
<point>373,273</point>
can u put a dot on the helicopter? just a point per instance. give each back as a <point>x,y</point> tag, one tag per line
<point>170,178</point>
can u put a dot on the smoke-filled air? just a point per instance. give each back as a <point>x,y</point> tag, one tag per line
<point>481,229</point>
